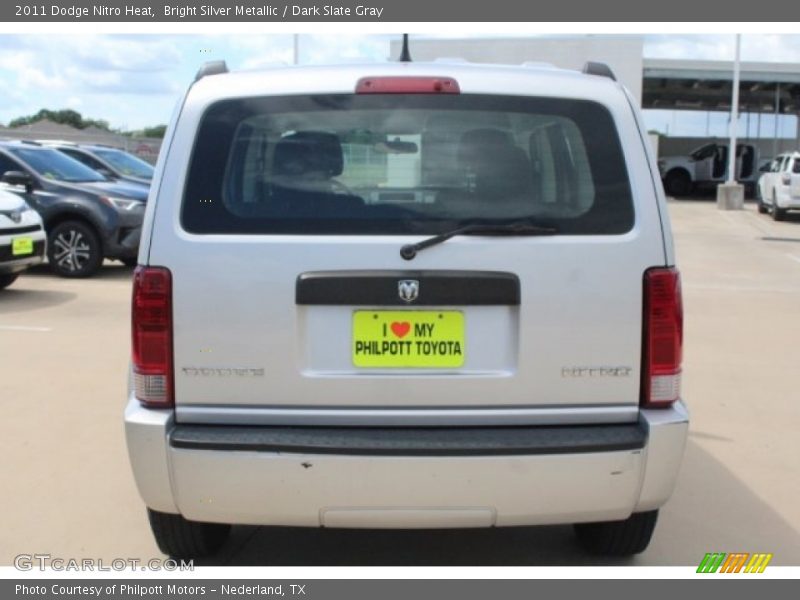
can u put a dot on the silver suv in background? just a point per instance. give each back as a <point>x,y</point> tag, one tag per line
<point>406,296</point>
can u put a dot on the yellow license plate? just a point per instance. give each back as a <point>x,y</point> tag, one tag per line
<point>21,246</point>
<point>408,338</point>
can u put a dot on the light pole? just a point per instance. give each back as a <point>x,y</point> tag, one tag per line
<point>730,195</point>
<point>734,114</point>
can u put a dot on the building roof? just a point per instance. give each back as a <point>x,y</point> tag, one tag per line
<point>707,85</point>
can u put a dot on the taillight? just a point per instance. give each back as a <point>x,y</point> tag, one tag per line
<point>407,85</point>
<point>662,347</point>
<point>152,336</point>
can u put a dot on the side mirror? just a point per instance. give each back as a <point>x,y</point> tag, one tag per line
<point>106,173</point>
<point>19,178</point>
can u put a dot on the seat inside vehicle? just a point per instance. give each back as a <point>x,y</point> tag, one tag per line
<point>497,169</point>
<point>302,181</point>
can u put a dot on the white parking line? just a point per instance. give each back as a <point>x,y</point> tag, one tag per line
<point>793,257</point>
<point>22,328</point>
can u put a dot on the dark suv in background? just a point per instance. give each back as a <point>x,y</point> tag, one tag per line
<point>87,216</point>
<point>111,162</point>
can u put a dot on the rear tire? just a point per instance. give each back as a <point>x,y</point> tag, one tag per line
<point>618,538</point>
<point>778,213</point>
<point>74,250</point>
<point>180,538</point>
<point>7,279</point>
<point>762,208</point>
<point>678,183</point>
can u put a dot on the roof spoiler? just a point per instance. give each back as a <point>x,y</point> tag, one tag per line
<point>599,69</point>
<point>212,67</point>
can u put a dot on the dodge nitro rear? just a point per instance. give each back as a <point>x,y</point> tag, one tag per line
<point>406,296</point>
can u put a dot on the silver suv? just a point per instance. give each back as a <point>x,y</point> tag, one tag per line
<point>406,296</point>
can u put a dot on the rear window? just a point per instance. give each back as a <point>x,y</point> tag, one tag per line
<point>398,164</point>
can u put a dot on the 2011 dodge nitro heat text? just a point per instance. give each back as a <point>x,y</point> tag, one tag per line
<point>406,296</point>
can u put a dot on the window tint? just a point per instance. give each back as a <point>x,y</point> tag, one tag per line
<point>52,164</point>
<point>704,152</point>
<point>796,166</point>
<point>125,163</point>
<point>87,160</point>
<point>6,164</point>
<point>405,164</point>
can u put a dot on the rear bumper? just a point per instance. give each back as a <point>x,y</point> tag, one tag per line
<point>466,477</point>
<point>786,200</point>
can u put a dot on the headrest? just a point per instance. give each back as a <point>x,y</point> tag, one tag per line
<point>308,154</point>
<point>501,169</point>
<point>477,143</point>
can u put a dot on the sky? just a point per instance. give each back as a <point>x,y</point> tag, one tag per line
<point>133,81</point>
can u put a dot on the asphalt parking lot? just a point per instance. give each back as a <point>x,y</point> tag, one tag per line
<point>68,490</point>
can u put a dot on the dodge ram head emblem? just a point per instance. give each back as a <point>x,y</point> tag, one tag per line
<point>408,289</point>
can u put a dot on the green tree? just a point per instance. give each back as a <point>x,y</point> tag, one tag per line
<point>65,116</point>
<point>157,131</point>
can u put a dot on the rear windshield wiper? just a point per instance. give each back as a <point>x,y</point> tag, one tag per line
<point>409,251</point>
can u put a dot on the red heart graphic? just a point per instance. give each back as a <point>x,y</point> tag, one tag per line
<point>401,329</point>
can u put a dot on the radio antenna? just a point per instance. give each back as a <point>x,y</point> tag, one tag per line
<point>405,55</point>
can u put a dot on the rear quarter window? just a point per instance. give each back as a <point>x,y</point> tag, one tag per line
<point>398,164</point>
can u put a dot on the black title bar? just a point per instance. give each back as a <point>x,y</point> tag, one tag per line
<point>304,11</point>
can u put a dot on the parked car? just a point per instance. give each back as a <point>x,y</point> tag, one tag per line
<point>404,296</point>
<point>22,238</point>
<point>112,162</point>
<point>707,166</point>
<point>778,189</point>
<point>86,216</point>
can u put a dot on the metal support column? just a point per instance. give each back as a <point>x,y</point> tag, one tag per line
<point>777,115</point>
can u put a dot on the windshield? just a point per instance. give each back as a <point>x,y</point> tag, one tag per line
<point>405,164</point>
<point>125,163</point>
<point>52,164</point>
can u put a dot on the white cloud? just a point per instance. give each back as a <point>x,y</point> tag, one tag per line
<point>766,48</point>
<point>134,79</point>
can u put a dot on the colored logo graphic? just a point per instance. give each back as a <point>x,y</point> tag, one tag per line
<point>737,562</point>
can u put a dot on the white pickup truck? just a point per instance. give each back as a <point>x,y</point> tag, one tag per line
<point>706,166</point>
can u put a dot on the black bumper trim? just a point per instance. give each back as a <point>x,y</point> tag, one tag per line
<point>406,441</point>
<point>7,256</point>
<point>380,288</point>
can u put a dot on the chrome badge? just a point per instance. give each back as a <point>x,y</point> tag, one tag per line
<point>408,290</point>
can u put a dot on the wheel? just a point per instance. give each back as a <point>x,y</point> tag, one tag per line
<point>778,213</point>
<point>618,538</point>
<point>180,538</point>
<point>678,183</point>
<point>74,250</point>
<point>129,262</point>
<point>7,279</point>
<point>762,208</point>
